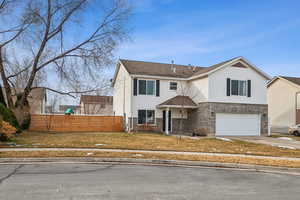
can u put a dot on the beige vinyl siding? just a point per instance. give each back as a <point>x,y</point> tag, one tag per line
<point>281,102</point>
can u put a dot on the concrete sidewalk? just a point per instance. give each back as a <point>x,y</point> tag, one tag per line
<point>149,151</point>
<point>282,142</point>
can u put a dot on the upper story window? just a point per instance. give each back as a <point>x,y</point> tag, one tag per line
<point>146,87</point>
<point>173,85</point>
<point>238,88</point>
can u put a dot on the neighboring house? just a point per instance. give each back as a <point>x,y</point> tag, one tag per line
<point>96,105</point>
<point>229,98</point>
<point>49,109</point>
<point>283,93</point>
<point>36,99</point>
<point>62,108</point>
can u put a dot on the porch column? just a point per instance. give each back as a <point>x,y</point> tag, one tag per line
<point>167,121</point>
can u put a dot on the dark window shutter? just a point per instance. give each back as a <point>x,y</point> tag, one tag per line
<point>170,120</point>
<point>249,88</point>
<point>134,86</point>
<point>228,87</point>
<point>157,88</point>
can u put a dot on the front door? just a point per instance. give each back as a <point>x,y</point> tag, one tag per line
<point>164,121</point>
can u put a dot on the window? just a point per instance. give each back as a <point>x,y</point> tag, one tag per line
<point>238,88</point>
<point>142,87</point>
<point>146,116</point>
<point>173,85</point>
<point>146,87</point>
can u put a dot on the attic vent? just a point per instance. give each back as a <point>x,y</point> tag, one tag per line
<point>239,64</point>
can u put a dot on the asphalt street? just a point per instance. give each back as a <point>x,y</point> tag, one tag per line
<point>129,182</point>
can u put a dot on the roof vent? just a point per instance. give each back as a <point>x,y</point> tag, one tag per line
<point>173,67</point>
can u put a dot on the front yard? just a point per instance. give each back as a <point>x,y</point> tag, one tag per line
<point>143,141</point>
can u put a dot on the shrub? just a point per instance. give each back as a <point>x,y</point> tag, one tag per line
<point>200,132</point>
<point>26,123</point>
<point>7,131</point>
<point>9,117</point>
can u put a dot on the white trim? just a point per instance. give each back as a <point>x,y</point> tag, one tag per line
<point>116,73</point>
<point>200,75</point>
<point>157,77</point>
<point>246,94</point>
<point>138,87</point>
<point>170,85</point>
<point>228,63</point>
<point>175,106</point>
<point>286,80</point>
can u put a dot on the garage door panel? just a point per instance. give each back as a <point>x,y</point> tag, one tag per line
<point>237,124</point>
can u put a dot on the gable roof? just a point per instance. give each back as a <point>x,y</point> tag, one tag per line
<point>182,101</point>
<point>96,99</point>
<point>208,69</point>
<point>294,80</point>
<point>177,71</point>
<point>159,69</point>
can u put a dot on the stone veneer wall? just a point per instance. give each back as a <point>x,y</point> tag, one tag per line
<point>205,115</point>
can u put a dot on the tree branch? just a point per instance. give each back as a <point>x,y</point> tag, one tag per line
<point>66,93</point>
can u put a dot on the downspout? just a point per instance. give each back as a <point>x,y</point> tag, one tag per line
<point>296,106</point>
<point>124,115</point>
<point>131,113</point>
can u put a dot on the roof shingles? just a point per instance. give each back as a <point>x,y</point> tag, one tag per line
<point>179,100</point>
<point>294,80</point>
<point>169,70</point>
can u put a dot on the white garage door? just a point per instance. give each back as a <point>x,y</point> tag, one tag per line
<point>237,124</point>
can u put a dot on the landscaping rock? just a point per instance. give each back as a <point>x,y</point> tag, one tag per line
<point>286,138</point>
<point>99,144</point>
<point>286,147</point>
<point>224,139</point>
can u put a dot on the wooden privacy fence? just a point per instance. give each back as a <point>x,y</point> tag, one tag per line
<point>76,123</point>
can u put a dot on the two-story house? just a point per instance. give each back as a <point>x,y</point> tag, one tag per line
<point>229,98</point>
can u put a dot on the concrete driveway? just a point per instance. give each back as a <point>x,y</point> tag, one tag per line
<point>129,182</point>
<point>283,142</point>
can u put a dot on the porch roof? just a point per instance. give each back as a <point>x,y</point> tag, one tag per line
<point>178,102</point>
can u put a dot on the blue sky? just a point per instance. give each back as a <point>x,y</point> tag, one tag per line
<point>205,32</point>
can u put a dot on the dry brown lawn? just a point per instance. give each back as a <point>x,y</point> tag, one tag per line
<point>143,141</point>
<point>231,159</point>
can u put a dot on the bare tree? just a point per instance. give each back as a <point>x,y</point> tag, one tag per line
<point>185,90</point>
<point>51,105</point>
<point>71,39</point>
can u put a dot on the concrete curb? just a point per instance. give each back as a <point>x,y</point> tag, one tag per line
<point>152,162</point>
